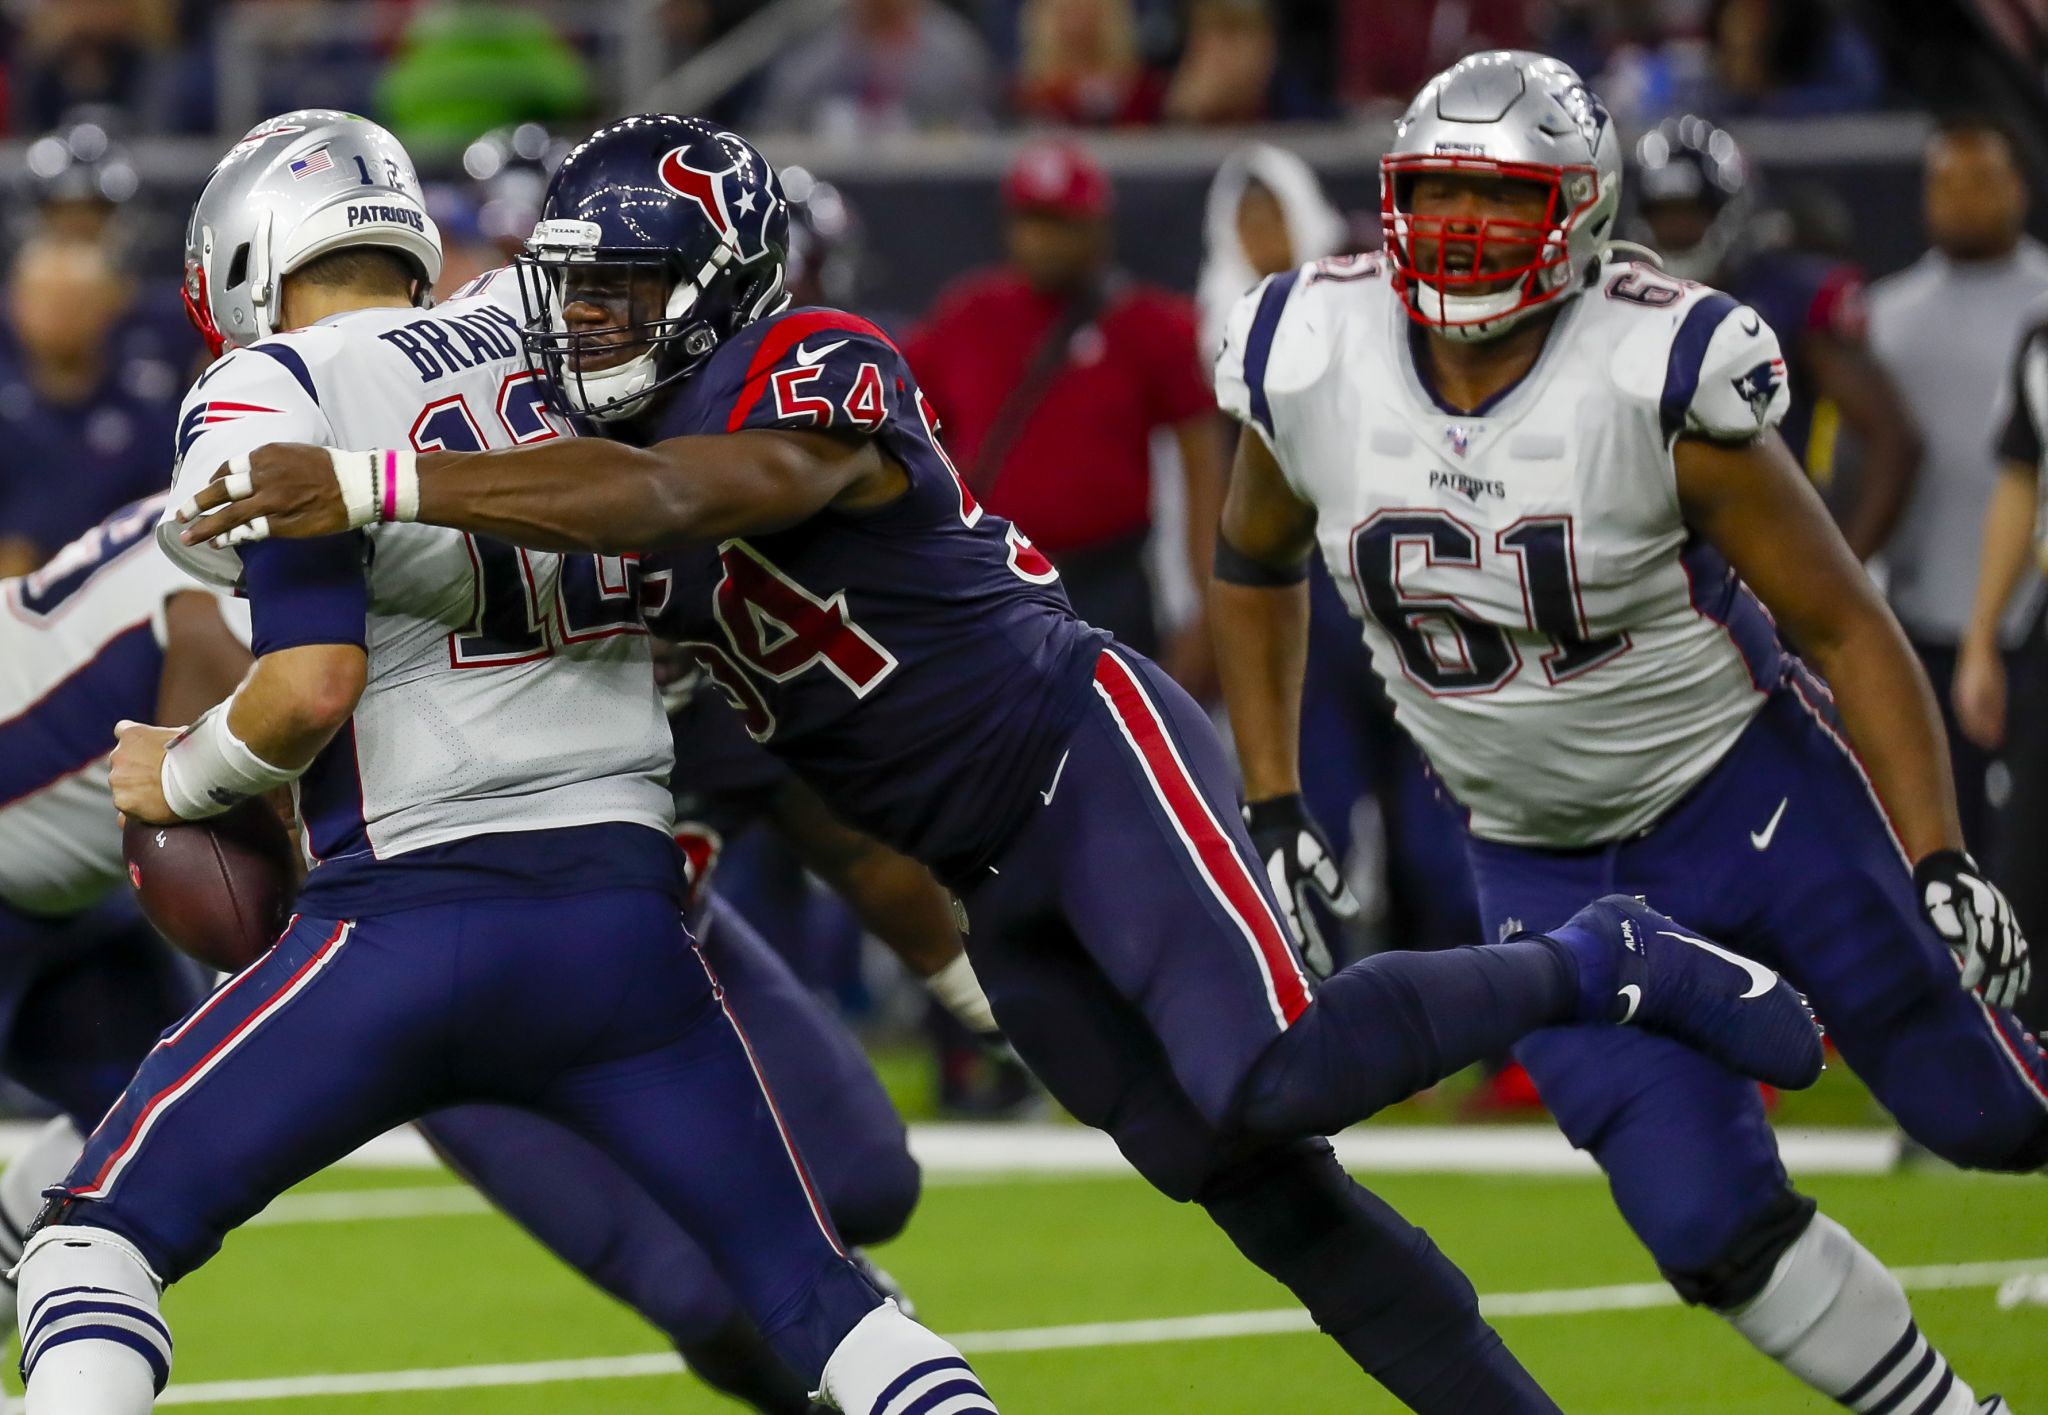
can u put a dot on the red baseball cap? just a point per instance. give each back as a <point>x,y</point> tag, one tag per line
<point>1058,178</point>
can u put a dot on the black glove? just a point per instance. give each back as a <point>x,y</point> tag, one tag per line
<point>1303,872</point>
<point>1977,923</point>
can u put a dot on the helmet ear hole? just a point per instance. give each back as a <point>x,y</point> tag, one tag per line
<point>238,267</point>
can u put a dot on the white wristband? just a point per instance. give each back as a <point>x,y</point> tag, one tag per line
<point>208,769</point>
<point>959,992</point>
<point>377,486</point>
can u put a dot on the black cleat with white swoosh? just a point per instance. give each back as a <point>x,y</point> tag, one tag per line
<point>1639,968</point>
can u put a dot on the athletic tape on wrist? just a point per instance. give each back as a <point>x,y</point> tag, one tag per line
<point>959,992</point>
<point>208,769</point>
<point>377,486</point>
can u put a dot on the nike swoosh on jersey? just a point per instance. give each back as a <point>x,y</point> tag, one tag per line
<point>1761,839</point>
<point>1634,994</point>
<point>1755,326</point>
<point>1761,979</point>
<point>806,357</point>
<point>1056,774</point>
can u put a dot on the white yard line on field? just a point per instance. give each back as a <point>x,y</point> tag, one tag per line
<point>1280,1321</point>
<point>970,1154</point>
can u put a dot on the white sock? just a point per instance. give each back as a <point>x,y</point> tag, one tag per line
<point>42,1165</point>
<point>888,1364</point>
<point>1835,1317</point>
<point>93,1340</point>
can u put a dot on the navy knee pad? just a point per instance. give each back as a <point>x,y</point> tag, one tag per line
<point>872,1197</point>
<point>1740,1273</point>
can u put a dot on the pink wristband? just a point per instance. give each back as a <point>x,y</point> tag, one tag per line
<point>388,511</point>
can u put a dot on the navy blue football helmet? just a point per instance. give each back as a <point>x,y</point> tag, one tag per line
<point>1691,165</point>
<point>660,237</point>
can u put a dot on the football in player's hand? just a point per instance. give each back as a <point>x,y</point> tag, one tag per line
<point>219,889</point>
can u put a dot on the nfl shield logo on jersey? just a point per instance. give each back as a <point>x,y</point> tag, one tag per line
<point>1460,438</point>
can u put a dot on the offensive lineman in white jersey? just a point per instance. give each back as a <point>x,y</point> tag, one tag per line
<point>1549,484</point>
<point>107,629</point>
<point>479,757</point>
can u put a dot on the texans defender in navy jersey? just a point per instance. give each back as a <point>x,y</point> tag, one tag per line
<point>913,658</point>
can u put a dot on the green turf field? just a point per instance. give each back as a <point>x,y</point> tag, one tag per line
<point>414,1298</point>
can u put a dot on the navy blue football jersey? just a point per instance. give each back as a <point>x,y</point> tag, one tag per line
<point>917,664</point>
<point>724,780</point>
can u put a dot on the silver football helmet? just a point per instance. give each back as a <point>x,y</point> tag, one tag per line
<point>1503,114</point>
<point>300,186</point>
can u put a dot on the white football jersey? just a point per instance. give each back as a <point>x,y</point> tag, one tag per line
<point>1570,659</point>
<point>81,647</point>
<point>508,690</point>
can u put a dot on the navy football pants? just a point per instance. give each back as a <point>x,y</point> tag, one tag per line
<point>592,1009</point>
<point>1783,853</point>
<point>1129,945</point>
<point>595,1216</point>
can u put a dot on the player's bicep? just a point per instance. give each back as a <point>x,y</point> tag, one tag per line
<point>1264,518</point>
<point>765,480</point>
<point>1759,510</point>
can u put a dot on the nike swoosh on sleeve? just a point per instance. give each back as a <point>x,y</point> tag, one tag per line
<point>806,357</point>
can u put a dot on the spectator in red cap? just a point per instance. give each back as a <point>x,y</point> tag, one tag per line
<point>1050,374</point>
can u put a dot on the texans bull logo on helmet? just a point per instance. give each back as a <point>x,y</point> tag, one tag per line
<point>732,197</point>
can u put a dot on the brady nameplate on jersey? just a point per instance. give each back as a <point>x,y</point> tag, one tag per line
<point>1509,558</point>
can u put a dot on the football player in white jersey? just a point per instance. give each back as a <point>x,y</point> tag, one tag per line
<point>479,757</point>
<point>107,629</point>
<point>1548,481</point>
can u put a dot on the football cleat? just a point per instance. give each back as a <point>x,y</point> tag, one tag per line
<point>1639,968</point>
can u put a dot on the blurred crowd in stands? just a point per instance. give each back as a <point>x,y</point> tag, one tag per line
<point>440,71</point>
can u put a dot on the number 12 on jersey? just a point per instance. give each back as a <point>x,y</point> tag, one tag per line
<point>1486,657</point>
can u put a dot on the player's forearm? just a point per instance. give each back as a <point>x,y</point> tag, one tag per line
<point>569,495</point>
<point>897,900</point>
<point>2008,554</point>
<point>1889,709</point>
<point>611,498</point>
<point>1202,467</point>
<point>295,700</point>
<point>1261,653</point>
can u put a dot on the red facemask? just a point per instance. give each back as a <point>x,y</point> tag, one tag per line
<point>1420,285</point>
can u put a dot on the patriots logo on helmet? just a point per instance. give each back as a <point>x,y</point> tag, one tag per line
<point>212,414</point>
<point>1759,385</point>
<point>735,208</point>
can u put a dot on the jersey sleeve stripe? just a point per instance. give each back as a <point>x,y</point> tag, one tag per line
<point>1688,352</point>
<point>785,335</point>
<point>1258,345</point>
<point>294,365</point>
<point>71,725</point>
